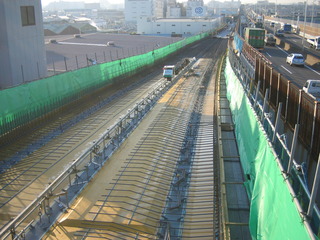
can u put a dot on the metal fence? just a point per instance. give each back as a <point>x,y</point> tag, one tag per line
<point>298,106</point>
<point>270,93</point>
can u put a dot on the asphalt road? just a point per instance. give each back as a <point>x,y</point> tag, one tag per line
<point>296,41</point>
<point>297,74</point>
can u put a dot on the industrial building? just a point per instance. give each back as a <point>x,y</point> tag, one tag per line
<point>22,55</point>
<point>180,26</point>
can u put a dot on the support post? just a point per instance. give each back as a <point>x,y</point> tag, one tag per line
<point>77,62</point>
<point>264,104</point>
<point>270,92</point>
<point>299,106</point>
<point>65,63</point>
<point>313,128</point>
<point>287,100</point>
<point>314,191</point>
<point>38,70</point>
<point>293,147</point>
<point>257,93</point>
<point>264,74</point>
<point>54,68</point>
<point>278,87</point>
<point>276,127</point>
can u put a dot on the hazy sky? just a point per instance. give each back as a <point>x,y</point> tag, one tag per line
<point>46,2</point>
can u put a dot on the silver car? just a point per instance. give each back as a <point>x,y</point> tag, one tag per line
<point>295,59</point>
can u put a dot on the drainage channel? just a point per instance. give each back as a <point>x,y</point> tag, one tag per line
<point>189,196</point>
<point>42,212</point>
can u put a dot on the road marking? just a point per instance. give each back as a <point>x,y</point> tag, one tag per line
<point>84,44</point>
<point>294,40</point>
<point>286,69</point>
<point>268,54</point>
<point>312,69</point>
<point>282,50</point>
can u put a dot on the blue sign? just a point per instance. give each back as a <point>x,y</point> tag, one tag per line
<point>198,10</point>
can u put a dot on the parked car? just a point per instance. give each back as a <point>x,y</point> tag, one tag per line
<point>295,59</point>
<point>312,87</point>
<point>110,43</point>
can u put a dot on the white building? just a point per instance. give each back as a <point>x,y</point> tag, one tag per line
<point>173,12</point>
<point>22,54</point>
<point>135,9</point>
<point>183,26</point>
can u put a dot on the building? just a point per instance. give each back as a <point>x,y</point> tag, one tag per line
<point>68,29</point>
<point>173,12</point>
<point>181,26</point>
<point>172,9</point>
<point>135,9</point>
<point>22,54</point>
<point>227,8</point>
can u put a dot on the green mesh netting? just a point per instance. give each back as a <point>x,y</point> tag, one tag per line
<point>273,214</point>
<point>23,103</point>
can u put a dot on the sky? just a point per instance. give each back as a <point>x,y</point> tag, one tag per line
<point>46,2</point>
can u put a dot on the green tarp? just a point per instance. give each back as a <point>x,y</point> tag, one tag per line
<point>273,214</point>
<point>23,103</point>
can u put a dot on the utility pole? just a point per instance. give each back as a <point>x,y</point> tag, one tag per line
<point>304,25</point>
<point>312,13</point>
<point>275,15</point>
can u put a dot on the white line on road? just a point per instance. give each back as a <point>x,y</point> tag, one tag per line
<point>286,69</point>
<point>282,50</point>
<point>268,54</point>
<point>312,69</point>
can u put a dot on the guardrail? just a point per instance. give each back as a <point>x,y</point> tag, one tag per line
<point>64,187</point>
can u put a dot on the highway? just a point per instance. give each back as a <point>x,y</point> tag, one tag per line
<point>297,74</point>
<point>296,41</point>
<point>277,56</point>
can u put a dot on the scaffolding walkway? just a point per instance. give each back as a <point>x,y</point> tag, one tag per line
<point>234,198</point>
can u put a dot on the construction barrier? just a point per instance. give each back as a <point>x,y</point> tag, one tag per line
<point>26,102</point>
<point>273,211</point>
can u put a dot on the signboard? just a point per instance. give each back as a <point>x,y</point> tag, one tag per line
<point>198,11</point>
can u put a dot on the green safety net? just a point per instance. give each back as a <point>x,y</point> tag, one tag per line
<point>22,104</point>
<point>273,214</point>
